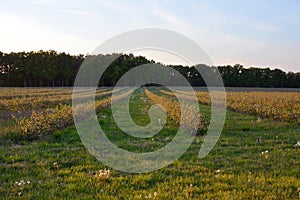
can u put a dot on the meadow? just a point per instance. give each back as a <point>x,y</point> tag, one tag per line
<point>256,157</point>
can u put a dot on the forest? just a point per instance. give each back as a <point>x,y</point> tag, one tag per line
<point>53,69</point>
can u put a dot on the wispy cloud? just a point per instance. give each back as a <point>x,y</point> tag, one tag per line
<point>76,12</point>
<point>43,2</point>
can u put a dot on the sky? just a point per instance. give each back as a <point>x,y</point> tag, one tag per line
<point>259,33</point>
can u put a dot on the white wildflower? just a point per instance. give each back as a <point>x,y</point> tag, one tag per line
<point>55,164</point>
<point>265,154</point>
<point>258,119</point>
<point>104,174</point>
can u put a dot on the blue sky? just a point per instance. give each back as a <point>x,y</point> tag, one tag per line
<point>263,33</point>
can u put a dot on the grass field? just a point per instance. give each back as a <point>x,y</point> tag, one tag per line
<point>253,159</point>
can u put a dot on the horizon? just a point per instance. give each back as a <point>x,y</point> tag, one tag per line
<point>253,34</point>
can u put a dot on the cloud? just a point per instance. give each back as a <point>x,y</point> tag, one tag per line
<point>43,2</point>
<point>76,12</point>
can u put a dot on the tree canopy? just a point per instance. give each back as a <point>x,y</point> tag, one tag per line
<point>53,69</point>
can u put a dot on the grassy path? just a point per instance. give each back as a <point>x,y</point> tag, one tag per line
<point>59,166</point>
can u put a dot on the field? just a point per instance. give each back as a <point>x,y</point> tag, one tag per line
<point>256,157</point>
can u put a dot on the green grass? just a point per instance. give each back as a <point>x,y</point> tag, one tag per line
<point>244,172</point>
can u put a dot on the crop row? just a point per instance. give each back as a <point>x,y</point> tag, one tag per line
<point>184,114</point>
<point>279,106</point>
<point>41,123</point>
<point>8,93</point>
<point>42,102</point>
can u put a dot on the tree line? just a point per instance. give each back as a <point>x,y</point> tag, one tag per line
<point>53,69</point>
